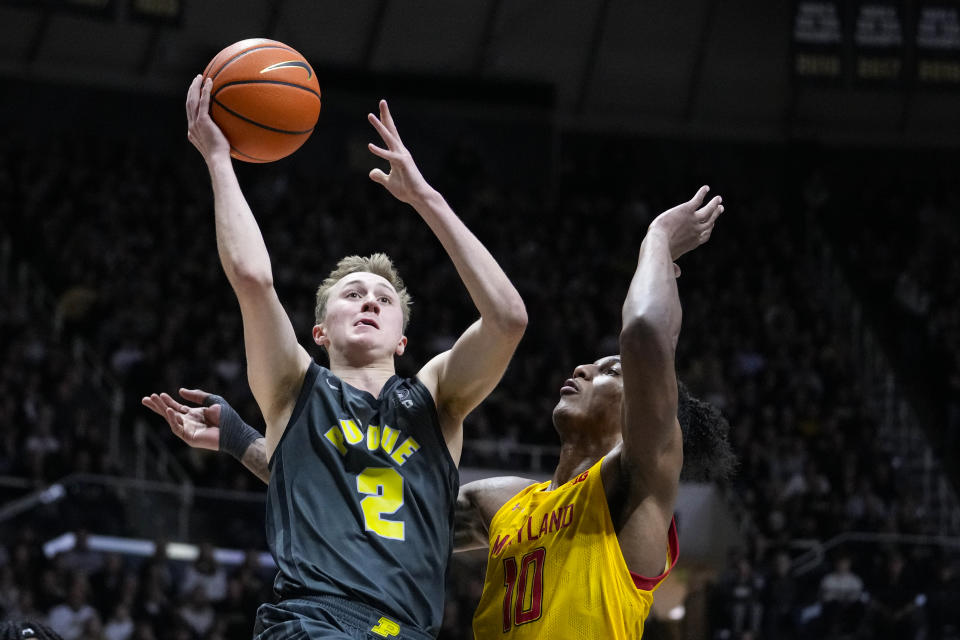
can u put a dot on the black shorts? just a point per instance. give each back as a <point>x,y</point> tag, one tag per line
<point>329,618</point>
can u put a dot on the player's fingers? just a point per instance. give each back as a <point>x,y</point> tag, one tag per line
<point>192,99</point>
<point>173,404</point>
<point>378,176</point>
<point>708,213</point>
<point>386,154</point>
<point>387,118</point>
<point>198,396</point>
<point>697,199</point>
<point>385,133</point>
<point>716,214</point>
<point>153,404</point>
<point>157,404</point>
<point>708,208</point>
<point>204,106</point>
<point>711,220</point>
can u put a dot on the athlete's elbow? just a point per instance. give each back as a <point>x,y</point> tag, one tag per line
<point>511,321</point>
<point>249,278</point>
<point>644,332</point>
<point>516,320</point>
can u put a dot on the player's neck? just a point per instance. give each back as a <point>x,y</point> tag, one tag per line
<point>578,456</point>
<point>369,378</point>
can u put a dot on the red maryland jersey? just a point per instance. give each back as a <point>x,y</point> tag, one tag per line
<point>555,569</point>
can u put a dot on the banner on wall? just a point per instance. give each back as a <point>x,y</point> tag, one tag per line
<point>818,41</point>
<point>938,44</point>
<point>879,45</point>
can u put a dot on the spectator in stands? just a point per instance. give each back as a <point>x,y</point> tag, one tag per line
<point>744,588</point>
<point>120,625</point>
<point>82,559</point>
<point>92,629</point>
<point>196,611</point>
<point>53,587</point>
<point>841,595</point>
<point>111,584</point>
<point>896,605</point>
<point>781,598</point>
<point>206,574</point>
<point>156,570</point>
<point>153,605</point>
<point>70,618</point>
<point>26,608</point>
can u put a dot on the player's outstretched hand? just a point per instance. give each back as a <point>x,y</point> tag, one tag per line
<point>689,225</point>
<point>404,180</point>
<point>202,131</point>
<point>198,426</point>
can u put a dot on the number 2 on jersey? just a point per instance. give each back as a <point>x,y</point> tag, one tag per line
<point>516,583</point>
<point>384,489</point>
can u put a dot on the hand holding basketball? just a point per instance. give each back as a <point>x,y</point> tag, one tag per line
<point>404,181</point>
<point>202,131</point>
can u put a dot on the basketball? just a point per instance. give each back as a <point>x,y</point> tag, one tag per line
<point>265,98</point>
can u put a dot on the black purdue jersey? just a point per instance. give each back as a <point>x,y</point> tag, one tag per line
<point>361,498</point>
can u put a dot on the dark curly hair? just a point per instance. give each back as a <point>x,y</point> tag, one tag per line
<point>26,629</point>
<point>706,446</point>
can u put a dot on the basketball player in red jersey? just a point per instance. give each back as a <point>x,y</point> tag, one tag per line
<point>580,556</point>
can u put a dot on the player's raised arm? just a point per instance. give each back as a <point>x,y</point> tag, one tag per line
<point>276,363</point>
<point>652,453</point>
<point>463,376</point>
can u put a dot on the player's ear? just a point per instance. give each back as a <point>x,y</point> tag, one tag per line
<point>401,346</point>
<point>320,336</point>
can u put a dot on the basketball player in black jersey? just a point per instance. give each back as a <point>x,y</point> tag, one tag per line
<point>363,478</point>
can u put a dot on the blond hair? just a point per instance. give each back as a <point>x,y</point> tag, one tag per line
<point>378,264</point>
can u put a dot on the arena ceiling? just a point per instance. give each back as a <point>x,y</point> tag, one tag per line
<point>668,67</point>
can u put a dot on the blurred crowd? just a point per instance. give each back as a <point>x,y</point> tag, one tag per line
<point>121,234</point>
<point>87,595</point>
<point>900,239</point>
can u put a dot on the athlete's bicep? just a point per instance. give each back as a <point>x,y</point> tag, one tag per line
<point>276,363</point>
<point>477,504</point>
<point>469,530</point>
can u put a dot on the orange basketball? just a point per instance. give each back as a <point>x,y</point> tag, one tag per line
<point>265,98</point>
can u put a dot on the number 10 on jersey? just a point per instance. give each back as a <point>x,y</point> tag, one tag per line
<point>517,607</point>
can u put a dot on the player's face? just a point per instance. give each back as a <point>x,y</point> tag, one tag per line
<point>363,317</point>
<point>594,392</point>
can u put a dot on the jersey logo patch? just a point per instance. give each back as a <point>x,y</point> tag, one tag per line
<point>403,395</point>
<point>386,628</point>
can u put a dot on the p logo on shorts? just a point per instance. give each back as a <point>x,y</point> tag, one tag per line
<point>386,628</point>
